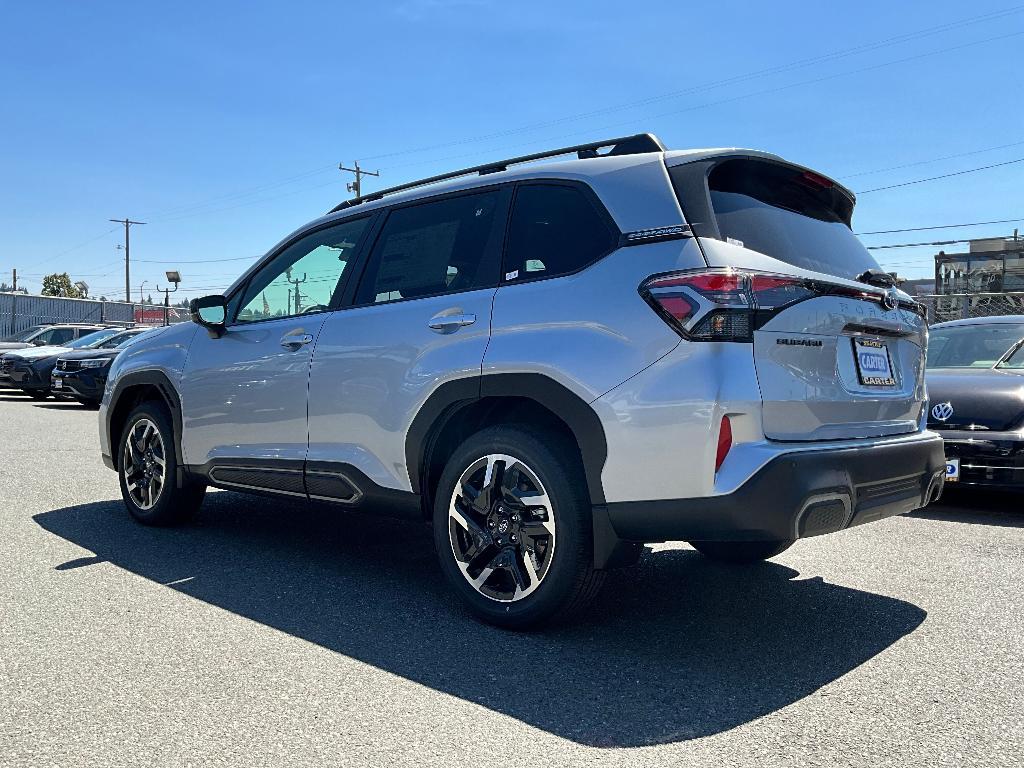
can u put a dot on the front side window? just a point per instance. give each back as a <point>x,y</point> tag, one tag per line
<point>434,248</point>
<point>304,277</point>
<point>554,230</point>
<point>92,338</point>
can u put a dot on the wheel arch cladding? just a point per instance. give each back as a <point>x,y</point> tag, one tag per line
<point>461,407</point>
<point>134,389</point>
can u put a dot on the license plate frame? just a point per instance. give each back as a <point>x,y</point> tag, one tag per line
<point>870,354</point>
<point>952,470</point>
<point>58,384</point>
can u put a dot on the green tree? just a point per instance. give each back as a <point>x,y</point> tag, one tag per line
<point>60,285</point>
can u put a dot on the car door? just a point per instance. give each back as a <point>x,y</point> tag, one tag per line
<point>244,393</point>
<point>419,318</point>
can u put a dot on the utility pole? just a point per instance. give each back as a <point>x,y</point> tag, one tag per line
<point>356,186</point>
<point>15,286</point>
<point>296,282</point>
<point>127,274</point>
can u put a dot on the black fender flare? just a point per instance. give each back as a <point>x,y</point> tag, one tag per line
<point>167,391</point>
<point>555,397</point>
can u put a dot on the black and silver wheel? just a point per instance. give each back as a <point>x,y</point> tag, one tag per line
<point>741,551</point>
<point>512,527</point>
<point>148,470</point>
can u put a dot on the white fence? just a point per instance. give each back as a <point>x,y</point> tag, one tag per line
<point>19,311</point>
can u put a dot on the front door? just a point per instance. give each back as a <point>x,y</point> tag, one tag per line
<point>421,317</point>
<point>244,394</point>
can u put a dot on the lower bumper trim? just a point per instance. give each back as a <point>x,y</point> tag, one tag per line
<point>795,496</point>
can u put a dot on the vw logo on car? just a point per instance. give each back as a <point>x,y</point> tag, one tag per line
<point>942,411</point>
<point>890,299</point>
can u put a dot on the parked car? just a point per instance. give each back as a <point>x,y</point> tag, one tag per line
<point>47,335</point>
<point>554,363</point>
<point>82,374</point>
<point>29,369</point>
<point>976,392</point>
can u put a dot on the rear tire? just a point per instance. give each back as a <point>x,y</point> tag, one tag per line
<point>741,551</point>
<point>148,470</point>
<point>513,527</point>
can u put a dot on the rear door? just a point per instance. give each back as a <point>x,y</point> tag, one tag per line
<point>847,360</point>
<point>420,317</point>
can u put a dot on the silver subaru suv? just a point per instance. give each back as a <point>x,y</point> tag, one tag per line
<point>552,363</point>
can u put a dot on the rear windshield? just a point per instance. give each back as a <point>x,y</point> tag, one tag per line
<point>971,346</point>
<point>789,214</point>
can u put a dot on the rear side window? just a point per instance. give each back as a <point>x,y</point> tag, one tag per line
<point>787,213</point>
<point>554,230</point>
<point>433,248</point>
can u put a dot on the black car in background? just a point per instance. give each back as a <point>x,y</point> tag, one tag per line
<point>975,378</point>
<point>29,370</point>
<point>82,375</point>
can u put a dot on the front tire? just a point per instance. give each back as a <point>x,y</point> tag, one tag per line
<point>513,527</point>
<point>37,394</point>
<point>741,551</point>
<point>148,470</point>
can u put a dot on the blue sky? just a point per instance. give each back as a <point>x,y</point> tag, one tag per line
<point>222,124</point>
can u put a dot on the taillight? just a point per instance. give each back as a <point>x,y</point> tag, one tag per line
<point>722,305</point>
<point>724,442</point>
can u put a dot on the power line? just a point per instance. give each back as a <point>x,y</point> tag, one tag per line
<point>189,210</point>
<point>931,160</point>
<point>778,69</point>
<point>730,100</point>
<point>939,226</point>
<point>943,176</point>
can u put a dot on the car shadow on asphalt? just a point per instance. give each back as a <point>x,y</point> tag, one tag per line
<point>674,648</point>
<point>977,507</point>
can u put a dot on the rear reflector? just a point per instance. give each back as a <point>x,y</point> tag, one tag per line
<point>724,442</point>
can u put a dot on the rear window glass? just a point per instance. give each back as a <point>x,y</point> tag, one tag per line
<point>972,346</point>
<point>789,214</point>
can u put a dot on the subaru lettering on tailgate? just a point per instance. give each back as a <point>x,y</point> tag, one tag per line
<point>874,368</point>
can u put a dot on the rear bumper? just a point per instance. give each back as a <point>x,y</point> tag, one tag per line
<point>796,495</point>
<point>990,459</point>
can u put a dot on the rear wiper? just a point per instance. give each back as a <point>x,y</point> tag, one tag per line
<point>876,277</point>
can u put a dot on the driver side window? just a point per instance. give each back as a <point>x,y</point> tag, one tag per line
<point>304,277</point>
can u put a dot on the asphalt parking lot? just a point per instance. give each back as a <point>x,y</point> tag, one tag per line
<point>268,633</point>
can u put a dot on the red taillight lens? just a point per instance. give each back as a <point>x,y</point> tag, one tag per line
<point>724,442</point>
<point>721,305</point>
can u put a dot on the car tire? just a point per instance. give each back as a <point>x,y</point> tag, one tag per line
<point>148,470</point>
<point>741,551</point>
<point>519,552</point>
<point>37,394</point>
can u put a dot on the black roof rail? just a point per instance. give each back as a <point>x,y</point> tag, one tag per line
<point>625,145</point>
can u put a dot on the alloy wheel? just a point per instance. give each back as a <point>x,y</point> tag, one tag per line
<point>144,464</point>
<point>502,528</point>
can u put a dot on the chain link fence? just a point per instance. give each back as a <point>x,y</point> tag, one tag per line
<point>956,306</point>
<point>19,311</point>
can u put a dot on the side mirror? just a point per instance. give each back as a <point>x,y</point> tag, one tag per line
<point>211,312</point>
<point>38,343</point>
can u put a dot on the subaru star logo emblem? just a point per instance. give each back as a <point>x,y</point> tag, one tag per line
<point>942,411</point>
<point>890,299</point>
